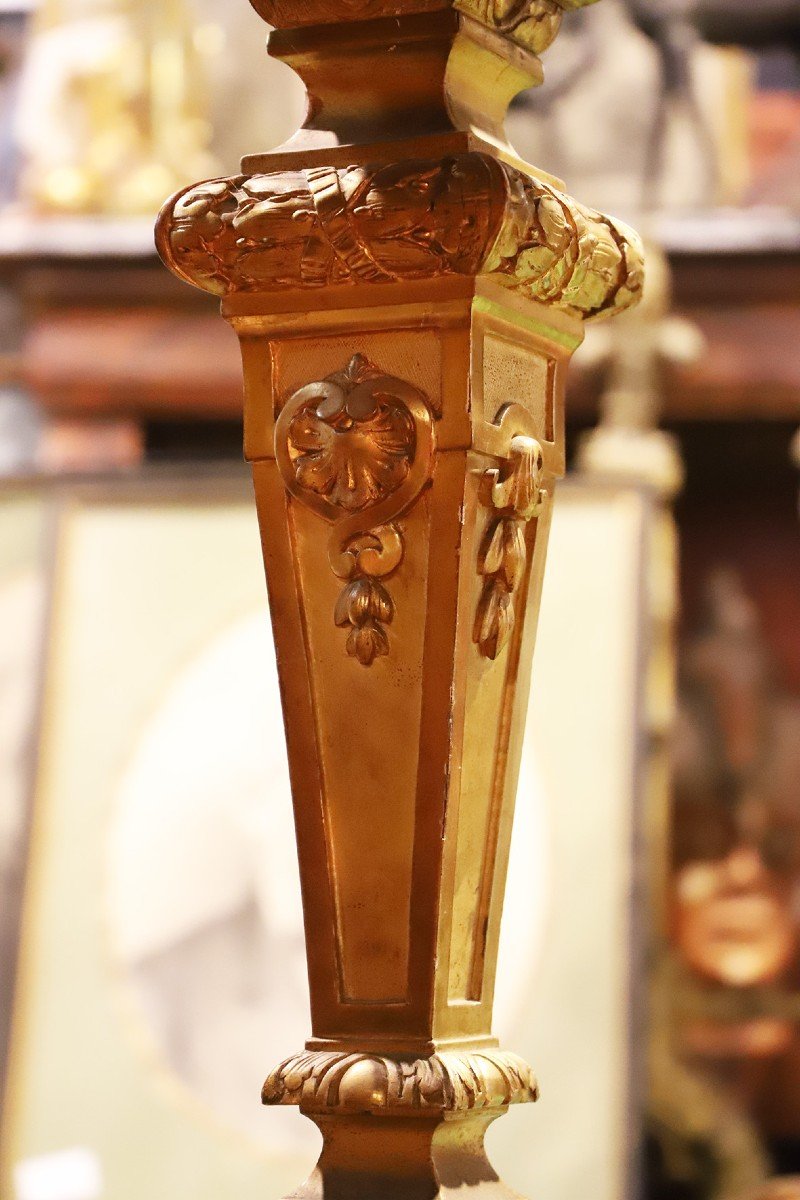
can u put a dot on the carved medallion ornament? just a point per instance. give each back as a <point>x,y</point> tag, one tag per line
<point>352,438</point>
<point>356,448</point>
<point>467,214</point>
<point>451,1082</point>
<point>515,491</point>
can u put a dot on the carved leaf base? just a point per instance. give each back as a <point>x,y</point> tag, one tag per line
<point>453,1081</point>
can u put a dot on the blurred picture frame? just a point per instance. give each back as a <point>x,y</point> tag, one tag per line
<point>139,1040</point>
<point>145,571</point>
<point>25,520</point>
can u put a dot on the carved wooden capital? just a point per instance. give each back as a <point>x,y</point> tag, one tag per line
<point>467,215</point>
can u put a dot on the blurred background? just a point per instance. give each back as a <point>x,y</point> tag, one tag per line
<point>127,872</point>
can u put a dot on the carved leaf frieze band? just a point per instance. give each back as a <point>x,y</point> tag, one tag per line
<point>356,448</point>
<point>532,24</point>
<point>464,215</point>
<point>516,492</point>
<point>323,1081</point>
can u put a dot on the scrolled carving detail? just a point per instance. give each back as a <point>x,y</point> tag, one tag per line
<point>467,214</point>
<point>356,448</point>
<point>532,24</point>
<point>558,252</point>
<point>323,1081</point>
<point>516,491</point>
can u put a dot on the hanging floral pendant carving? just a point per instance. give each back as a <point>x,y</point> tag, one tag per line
<point>365,604</point>
<point>516,492</point>
<point>356,447</point>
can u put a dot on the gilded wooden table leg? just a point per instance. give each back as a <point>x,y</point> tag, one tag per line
<point>407,307</point>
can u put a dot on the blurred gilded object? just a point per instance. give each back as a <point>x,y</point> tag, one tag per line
<point>113,106</point>
<point>731,922</point>
<point>698,1140</point>
<point>737,838</point>
<point>736,863</point>
<point>627,443</point>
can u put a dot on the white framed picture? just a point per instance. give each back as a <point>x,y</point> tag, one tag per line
<point>163,968</point>
<point>25,511</point>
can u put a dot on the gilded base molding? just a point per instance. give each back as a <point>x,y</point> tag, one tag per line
<point>453,1081</point>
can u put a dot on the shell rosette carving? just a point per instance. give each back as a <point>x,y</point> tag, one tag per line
<point>323,1081</point>
<point>353,440</point>
<point>356,448</point>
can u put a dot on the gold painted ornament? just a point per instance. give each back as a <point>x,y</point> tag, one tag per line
<point>407,296</point>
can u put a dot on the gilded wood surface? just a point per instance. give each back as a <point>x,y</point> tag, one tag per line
<point>407,307</point>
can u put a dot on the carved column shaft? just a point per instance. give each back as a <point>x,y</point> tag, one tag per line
<point>406,310</point>
<point>399,558</point>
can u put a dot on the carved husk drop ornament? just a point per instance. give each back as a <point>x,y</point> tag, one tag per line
<point>407,294</point>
